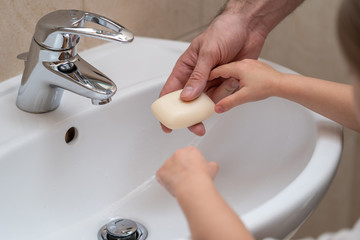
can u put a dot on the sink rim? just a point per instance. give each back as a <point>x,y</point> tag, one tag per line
<point>329,141</point>
<point>326,155</point>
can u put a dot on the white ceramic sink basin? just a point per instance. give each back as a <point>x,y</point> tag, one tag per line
<point>276,158</point>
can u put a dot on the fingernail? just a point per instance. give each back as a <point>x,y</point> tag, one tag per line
<point>186,92</point>
<point>234,84</point>
<point>219,109</point>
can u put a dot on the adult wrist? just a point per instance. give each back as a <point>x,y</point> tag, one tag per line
<point>246,15</point>
<point>260,15</point>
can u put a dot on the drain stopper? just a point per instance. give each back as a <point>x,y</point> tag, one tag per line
<point>122,229</point>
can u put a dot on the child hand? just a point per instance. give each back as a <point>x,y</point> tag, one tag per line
<point>186,167</point>
<point>241,82</point>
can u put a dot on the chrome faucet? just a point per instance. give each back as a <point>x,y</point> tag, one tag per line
<point>52,63</point>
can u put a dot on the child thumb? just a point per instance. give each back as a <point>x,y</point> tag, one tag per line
<point>213,169</point>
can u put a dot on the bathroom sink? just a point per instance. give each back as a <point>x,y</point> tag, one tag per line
<point>66,173</point>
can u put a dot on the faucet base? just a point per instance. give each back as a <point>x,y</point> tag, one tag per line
<point>44,100</point>
<point>43,83</point>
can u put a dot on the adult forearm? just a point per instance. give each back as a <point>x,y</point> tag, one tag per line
<point>261,15</point>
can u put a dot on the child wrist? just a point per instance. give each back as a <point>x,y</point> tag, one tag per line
<point>192,184</point>
<point>277,89</point>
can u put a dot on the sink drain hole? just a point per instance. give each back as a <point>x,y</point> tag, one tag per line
<point>70,135</point>
<point>122,229</point>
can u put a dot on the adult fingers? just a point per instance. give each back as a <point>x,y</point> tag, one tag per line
<point>226,88</point>
<point>182,70</point>
<point>165,129</point>
<point>198,129</point>
<point>198,78</point>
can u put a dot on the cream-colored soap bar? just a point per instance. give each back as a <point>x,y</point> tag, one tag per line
<point>175,113</point>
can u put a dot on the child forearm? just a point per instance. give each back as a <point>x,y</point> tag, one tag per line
<point>189,177</point>
<point>330,99</point>
<point>208,215</point>
<point>258,81</point>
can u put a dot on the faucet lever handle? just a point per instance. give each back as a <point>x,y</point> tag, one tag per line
<point>61,30</point>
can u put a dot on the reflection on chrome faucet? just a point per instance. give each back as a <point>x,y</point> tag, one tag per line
<point>53,64</point>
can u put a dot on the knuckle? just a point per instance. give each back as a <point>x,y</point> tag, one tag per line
<point>197,76</point>
<point>178,153</point>
<point>192,149</point>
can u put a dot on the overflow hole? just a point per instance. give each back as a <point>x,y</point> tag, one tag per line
<point>70,135</point>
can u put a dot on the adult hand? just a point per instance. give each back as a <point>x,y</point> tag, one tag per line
<point>186,166</point>
<point>227,39</point>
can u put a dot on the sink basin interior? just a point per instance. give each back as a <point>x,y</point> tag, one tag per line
<point>267,158</point>
<point>120,146</point>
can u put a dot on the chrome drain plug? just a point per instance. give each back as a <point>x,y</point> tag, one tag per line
<point>122,229</point>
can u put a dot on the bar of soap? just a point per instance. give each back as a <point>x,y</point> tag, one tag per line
<point>175,113</point>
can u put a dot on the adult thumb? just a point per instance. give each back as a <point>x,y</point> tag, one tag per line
<point>197,81</point>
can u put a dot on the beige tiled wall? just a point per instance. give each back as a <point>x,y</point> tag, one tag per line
<point>171,19</point>
<point>305,41</point>
<point>17,24</point>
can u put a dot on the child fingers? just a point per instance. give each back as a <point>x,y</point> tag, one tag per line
<point>225,71</point>
<point>231,101</point>
<point>228,87</point>
<point>213,169</point>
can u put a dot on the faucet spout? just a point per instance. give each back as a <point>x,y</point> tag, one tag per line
<point>43,82</point>
<point>83,79</point>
